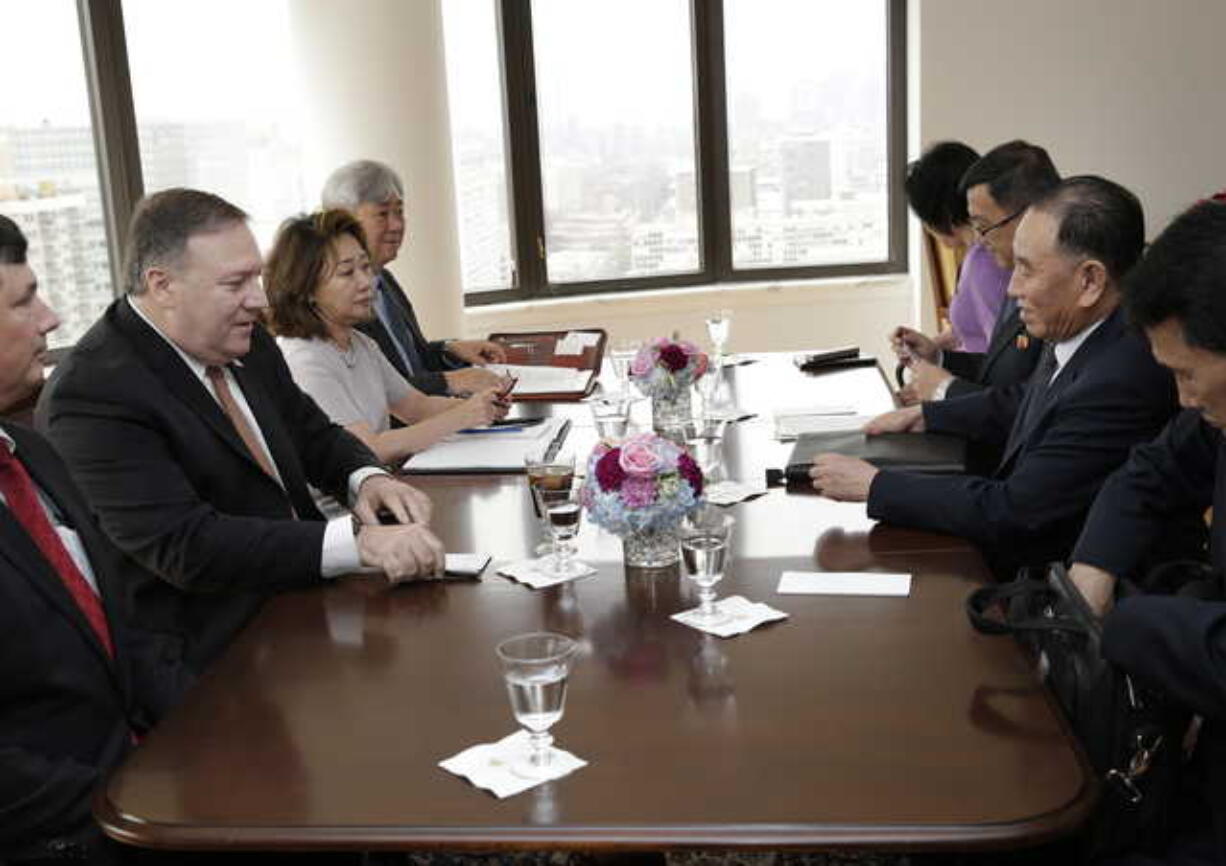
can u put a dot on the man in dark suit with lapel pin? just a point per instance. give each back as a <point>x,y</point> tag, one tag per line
<point>373,193</point>
<point>1096,392</point>
<point>77,685</point>
<point>179,419</point>
<point>998,189</point>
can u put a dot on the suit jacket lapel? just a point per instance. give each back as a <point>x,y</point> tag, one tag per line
<point>179,379</point>
<point>1105,334</point>
<point>399,297</point>
<point>17,546</point>
<point>1008,327</point>
<point>280,448</point>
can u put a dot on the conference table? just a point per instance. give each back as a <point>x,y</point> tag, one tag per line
<point>857,723</point>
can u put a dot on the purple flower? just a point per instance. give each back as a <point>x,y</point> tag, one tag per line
<point>638,491</point>
<point>690,472</point>
<point>644,360</point>
<point>673,357</point>
<point>609,471</point>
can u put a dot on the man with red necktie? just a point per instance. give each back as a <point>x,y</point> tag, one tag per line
<point>77,687</point>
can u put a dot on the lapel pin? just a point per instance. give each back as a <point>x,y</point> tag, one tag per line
<point>1023,342</point>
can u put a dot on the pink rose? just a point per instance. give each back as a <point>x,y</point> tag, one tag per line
<point>641,456</point>
<point>700,365</point>
<point>644,360</point>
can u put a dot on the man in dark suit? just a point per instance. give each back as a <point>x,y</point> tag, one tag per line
<point>179,419</point>
<point>1176,644</point>
<point>998,189</point>
<point>1095,394</point>
<point>373,193</point>
<point>77,685</point>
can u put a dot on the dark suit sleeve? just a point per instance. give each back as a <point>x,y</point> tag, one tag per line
<point>961,388</point>
<point>1176,645</point>
<point>1053,482</point>
<point>1173,474</point>
<point>42,793</point>
<point>984,415</point>
<point>964,365</point>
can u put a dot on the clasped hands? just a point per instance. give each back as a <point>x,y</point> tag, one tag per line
<point>848,479</point>
<point>402,550</point>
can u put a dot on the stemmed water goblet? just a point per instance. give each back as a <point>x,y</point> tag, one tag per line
<point>561,510</point>
<point>535,667</point>
<point>705,535</point>
<point>719,324</point>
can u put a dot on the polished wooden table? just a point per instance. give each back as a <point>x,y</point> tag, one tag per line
<point>857,723</point>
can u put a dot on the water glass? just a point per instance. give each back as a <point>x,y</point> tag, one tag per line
<point>611,413</point>
<point>620,356</point>
<point>561,510</point>
<point>555,472</point>
<point>719,324</point>
<point>535,667</point>
<point>705,445</point>
<point>705,535</point>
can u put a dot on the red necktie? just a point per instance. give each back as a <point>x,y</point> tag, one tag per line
<point>23,502</point>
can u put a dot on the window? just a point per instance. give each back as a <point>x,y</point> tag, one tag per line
<point>650,143</point>
<point>233,128</point>
<point>48,166</point>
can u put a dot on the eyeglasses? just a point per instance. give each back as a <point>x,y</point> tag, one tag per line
<point>984,232</point>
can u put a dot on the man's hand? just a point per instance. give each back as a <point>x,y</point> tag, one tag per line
<point>925,379</point>
<point>1096,586</point>
<point>477,351</point>
<point>909,343</point>
<point>405,503</point>
<point>846,479</point>
<point>401,552</point>
<point>908,420</point>
<point>470,380</point>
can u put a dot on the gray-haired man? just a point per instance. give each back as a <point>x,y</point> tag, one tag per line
<point>374,194</point>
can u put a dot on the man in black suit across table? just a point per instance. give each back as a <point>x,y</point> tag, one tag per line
<point>374,194</point>
<point>1096,393</point>
<point>179,418</point>
<point>76,684</point>
<point>1176,644</point>
<point>998,188</point>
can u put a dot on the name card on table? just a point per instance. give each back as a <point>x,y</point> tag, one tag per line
<point>843,583</point>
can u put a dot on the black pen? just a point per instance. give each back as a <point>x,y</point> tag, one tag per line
<point>556,444</point>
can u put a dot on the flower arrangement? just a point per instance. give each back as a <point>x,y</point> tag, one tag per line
<point>645,483</point>
<point>664,366</point>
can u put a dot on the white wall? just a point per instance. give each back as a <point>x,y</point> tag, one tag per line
<point>1129,89</point>
<point>377,89</point>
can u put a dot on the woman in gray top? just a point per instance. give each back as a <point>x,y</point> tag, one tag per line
<point>320,285</point>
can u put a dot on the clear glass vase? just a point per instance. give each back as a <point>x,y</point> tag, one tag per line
<point>652,548</point>
<point>670,409</point>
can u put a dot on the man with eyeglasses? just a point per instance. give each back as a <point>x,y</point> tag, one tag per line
<point>998,188</point>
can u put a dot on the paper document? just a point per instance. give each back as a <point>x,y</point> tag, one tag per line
<point>546,379</point>
<point>843,583</point>
<point>792,425</point>
<point>495,452</point>
<point>575,342</point>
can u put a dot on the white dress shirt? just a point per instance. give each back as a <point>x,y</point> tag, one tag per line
<point>340,548</point>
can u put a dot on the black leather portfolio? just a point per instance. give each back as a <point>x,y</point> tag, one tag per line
<point>933,453</point>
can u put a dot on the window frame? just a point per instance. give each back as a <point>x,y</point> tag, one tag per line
<point>526,211</point>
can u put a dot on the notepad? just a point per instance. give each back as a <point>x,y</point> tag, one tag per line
<point>496,452</point>
<point>843,583</point>
<point>545,379</point>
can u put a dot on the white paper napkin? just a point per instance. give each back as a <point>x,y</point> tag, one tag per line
<point>731,492</point>
<point>535,572</point>
<point>843,583</point>
<point>488,765</point>
<point>742,615</point>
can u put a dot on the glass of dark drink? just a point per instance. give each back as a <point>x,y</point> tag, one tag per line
<point>556,472</point>
<point>562,510</point>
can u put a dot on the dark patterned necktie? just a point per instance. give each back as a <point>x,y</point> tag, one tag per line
<point>1036,398</point>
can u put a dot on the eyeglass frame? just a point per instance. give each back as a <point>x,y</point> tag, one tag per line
<point>983,233</point>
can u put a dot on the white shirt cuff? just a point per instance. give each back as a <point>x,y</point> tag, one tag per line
<point>941,390</point>
<point>358,476</point>
<point>340,553</point>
